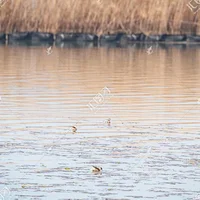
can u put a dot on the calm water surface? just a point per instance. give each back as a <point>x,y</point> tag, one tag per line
<point>151,149</point>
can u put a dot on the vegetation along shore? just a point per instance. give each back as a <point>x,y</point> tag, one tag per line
<point>100,16</point>
<point>100,20</point>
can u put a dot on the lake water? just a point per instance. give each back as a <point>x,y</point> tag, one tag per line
<point>149,150</point>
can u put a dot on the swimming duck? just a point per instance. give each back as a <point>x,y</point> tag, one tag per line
<point>96,169</point>
<point>150,50</point>
<point>74,129</point>
<point>109,121</point>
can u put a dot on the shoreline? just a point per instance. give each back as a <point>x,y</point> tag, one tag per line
<point>87,37</point>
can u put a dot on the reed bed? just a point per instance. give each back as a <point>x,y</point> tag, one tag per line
<point>99,16</point>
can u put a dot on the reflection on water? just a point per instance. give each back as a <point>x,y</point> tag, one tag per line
<point>150,148</point>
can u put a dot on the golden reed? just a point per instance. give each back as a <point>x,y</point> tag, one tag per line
<point>99,16</point>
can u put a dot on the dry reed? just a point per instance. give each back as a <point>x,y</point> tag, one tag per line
<point>99,16</point>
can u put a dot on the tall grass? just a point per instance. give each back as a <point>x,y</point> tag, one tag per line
<point>99,16</point>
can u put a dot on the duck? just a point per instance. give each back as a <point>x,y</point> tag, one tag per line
<point>150,50</point>
<point>2,3</point>
<point>108,121</point>
<point>96,169</point>
<point>74,129</point>
<point>49,50</point>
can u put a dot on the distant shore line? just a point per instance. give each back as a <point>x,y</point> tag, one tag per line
<point>87,37</point>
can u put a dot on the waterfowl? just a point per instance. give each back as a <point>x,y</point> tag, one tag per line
<point>49,50</point>
<point>74,129</point>
<point>96,169</point>
<point>150,50</point>
<point>2,3</point>
<point>109,121</point>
